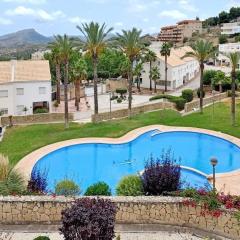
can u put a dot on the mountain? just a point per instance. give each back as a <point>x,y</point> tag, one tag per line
<point>22,38</point>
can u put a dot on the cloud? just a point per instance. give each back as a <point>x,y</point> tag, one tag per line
<point>4,21</point>
<point>39,14</point>
<point>187,5</point>
<point>77,20</point>
<point>26,1</point>
<point>137,6</point>
<point>175,14</point>
<point>118,24</point>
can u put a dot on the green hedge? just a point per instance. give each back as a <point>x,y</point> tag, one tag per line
<point>187,94</point>
<point>179,101</point>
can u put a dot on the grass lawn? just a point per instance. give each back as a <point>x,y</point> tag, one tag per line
<point>21,140</point>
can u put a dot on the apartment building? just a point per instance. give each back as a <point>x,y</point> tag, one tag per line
<point>180,71</point>
<point>24,87</point>
<point>177,33</point>
<point>230,28</point>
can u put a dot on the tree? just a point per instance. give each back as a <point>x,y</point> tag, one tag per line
<point>65,46</point>
<point>95,40</point>
<point>219,79</point>
<point>138,70</point>
<point>223,39</point>
<point>131,43</point>
<point>155,75</point>
<point>166,51</point>
<point>150,57</point>
<point>202,51</point>
<point>55,58</point>
<point>234,59</point>
<point>78,73</point>
<point>223,17</point>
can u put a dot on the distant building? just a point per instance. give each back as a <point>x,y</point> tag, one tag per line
<point>24,87</point>
<point>180,71</point>
<point>177,33</point>
<point>230,28</point>
<point>224,50</point>
<point>39,55</point>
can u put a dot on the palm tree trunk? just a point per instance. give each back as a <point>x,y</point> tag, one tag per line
<point>201,87</point>
<point>233,104</point>
<point>130,81</point>
<point>95,79</point>
<point>58,75</point>
<point>66,95</point>
<point>166,71</point>
<point>155,87</point>
<point>77,94</point>
<point>150,77</point>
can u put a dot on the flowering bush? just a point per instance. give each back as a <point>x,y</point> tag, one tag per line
<point>38,182</point>
<point>89,219</point>
<point>161,175</point>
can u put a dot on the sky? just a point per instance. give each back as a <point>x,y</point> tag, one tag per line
<point>51,17</point>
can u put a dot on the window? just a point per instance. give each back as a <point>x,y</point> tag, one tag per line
<point>20,91</point>
<point>3,111</point>
<point>3,93</point>
<point>42,90</point>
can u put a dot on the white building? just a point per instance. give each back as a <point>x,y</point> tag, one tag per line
<point>230,28</point>
<point>180,71</point>
<point>224,50</point>
<point>24,86</point>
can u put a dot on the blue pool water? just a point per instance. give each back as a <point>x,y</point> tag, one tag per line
<point>89,163</point>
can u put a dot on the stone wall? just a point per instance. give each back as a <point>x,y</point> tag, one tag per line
<point>139,210</point>
<point>122,113</point>
<point>36,118</point>
<point>206,101</point>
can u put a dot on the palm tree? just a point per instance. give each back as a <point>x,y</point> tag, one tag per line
<point>131,43</point>
<point>65,46</point>
<point>95,40</point>
<point>150,57</point>
<point>138,70</point>
<point>234,59</point>
<point>202,51</point>
<point>166,52</point>
<point>155,75</point>
<point>79,73</point>
<point>54,57</point>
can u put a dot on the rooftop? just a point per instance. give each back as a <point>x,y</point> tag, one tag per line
<point>24,71</point>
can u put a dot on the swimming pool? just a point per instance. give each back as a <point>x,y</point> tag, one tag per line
<point>89,163</point>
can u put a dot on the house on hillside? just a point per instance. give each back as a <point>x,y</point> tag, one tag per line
<point>180,71</point>
<point>24,87</point>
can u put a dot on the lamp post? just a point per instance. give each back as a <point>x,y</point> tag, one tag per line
<point>214,163</point>
<point>110,101</point>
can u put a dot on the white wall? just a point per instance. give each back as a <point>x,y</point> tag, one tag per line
<point>175,73</point>
<point>31,95</point>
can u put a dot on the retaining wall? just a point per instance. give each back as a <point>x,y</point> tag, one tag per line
<point>208,100</point>
<point>123,113</point>
<point>138,210</point>
<point>36,118</point>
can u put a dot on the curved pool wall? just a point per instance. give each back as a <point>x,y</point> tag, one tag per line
<point>89,163</point>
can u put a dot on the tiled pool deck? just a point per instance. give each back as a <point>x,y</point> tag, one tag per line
<point>227,182</point>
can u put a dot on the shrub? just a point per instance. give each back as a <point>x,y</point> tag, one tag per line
<point>89,219</point>
<point>187,94</point>
<point>67,188</point>
<point>98,189</point>
<point>42,238</point>
<point>119,100</point>
<point>38,182</point>
<point>208,76</point>
<point>40,110</point>
<point>11,182</point>
<point>130,186</point>
<point>161,175</point>
<point>180,103</point>
<point>121,91</point>
<point>198,93</point>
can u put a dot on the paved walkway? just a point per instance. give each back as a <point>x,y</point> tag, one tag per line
<point>124,236</point>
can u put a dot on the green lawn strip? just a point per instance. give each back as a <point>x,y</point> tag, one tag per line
<point>22,140</point>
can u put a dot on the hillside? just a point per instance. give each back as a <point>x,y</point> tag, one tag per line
<point>22,38</point>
